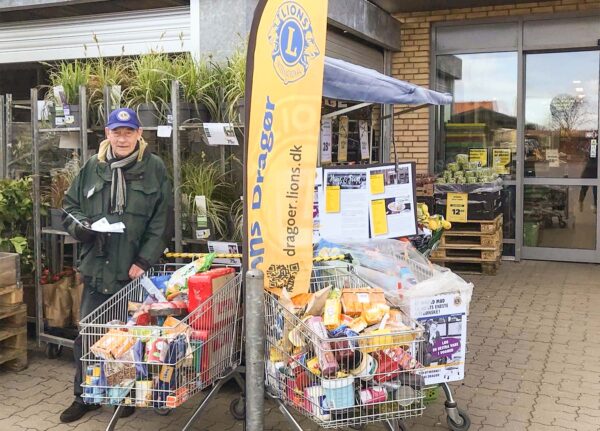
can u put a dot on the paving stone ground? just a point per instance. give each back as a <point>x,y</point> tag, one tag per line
<point>533,364</point>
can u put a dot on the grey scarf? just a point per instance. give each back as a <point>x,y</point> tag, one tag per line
<point>118,186</point>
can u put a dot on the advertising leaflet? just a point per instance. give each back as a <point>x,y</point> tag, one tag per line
<point>444,318</point>
<point>326,141</point>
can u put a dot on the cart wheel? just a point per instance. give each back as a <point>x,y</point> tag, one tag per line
<point>237,408</point>
<point>162,411</point>
<point>358,427</point>
<point>464,426</point>
<point>53,351</point>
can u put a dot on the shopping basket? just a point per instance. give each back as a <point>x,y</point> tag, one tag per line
<point>160,367</point>
<point>339,382</point>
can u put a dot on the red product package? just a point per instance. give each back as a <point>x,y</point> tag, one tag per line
<point>201,288</point>
<point>387,368</point>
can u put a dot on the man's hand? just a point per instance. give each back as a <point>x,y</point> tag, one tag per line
<point>135,271</point>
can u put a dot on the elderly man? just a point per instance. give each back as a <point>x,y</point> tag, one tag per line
<point>125,183</point>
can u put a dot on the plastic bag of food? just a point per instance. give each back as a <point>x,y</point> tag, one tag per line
<point>178,281</point>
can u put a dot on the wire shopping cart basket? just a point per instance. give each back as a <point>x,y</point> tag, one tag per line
<point>161,367</point>
<point>342,379</point>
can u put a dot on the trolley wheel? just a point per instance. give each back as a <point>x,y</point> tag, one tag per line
<point>237,408</point>
<point>358,427</point>
<point>464,426</point>
<point>53,351</point>
<point>162,411</point>
<point>562,224</point>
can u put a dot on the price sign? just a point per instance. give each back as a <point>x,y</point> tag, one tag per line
<point>457,207</point>
<point>478,155</point>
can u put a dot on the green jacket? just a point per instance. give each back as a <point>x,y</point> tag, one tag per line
<point>147,217</point>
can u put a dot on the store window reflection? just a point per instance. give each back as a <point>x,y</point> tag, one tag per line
<point>484,112</point>
<point>561,115</point>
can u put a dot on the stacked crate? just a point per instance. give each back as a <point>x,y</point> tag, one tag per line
<point>474,246</point>
<point>13,315</point>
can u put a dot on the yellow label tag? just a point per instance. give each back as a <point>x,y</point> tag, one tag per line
<point>456,207</point>
<point>380,226</point>
<point>332,199</point>
<point>165,373</point>
<point>478,155</point>
<point>501,158</point>
<point>377,185</point>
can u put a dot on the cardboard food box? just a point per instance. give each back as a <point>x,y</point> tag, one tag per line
<point>356,301</point>
<point>215,309</point>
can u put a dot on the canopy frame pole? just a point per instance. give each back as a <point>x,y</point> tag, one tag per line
<point>346,110</point>
<point>406,111</point>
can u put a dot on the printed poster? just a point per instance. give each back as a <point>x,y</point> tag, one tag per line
<point>444,318</point>
<point>317,205</point>
<point>221,247</point>
<point>326,141</point>
<point>363,133</point>
<point>478,155</point>
<point>392,201</point>
<point>346,209</point>
<point>501,159</point>
<point>343,124</point>
<point>284,86</point>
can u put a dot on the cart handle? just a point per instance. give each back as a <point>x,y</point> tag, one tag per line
<point>346,257</point>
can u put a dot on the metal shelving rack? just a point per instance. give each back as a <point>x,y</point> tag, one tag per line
<point>54,342</point>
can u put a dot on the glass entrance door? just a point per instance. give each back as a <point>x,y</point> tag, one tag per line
<point>560,159</point>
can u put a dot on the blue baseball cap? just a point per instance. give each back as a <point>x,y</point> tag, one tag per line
<point>123,117</point>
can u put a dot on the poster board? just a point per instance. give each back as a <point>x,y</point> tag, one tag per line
<point>444,318</point>
<point>501,160</point>
<point>345,208</point>
<point>371,202</point>
<point>392,201</point>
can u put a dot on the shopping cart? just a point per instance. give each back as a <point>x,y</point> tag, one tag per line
<point>342,382</point>
<point>161,367</point>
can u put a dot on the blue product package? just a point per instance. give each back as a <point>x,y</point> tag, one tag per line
<point>141,369</point>
<point>160,281</point>
<point>169,373</point>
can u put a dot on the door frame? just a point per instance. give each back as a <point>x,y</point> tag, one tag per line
<point>548,253</point>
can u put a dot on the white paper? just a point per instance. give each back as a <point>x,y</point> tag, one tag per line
<point>317,205</point>
<point>352,222</point>
<point>103,225</point>
<point>152,289</point>
<point>90,192</point>
<point>220,134</point>
<point>69,140</point>
<point>221,247</point>
<point>164,131</point>
<point>400,201</point>
<point>326,141</point>
<point>593,148</point>
<point>363,133</point>
<point>552,157</point>
<point>445,320</point>
<point>343,124</point>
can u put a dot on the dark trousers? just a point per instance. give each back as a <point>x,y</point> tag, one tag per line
<point>90,300</point>
<point>583,192</point>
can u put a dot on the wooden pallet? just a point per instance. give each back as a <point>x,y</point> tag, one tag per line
<point>13,336</point>
<point>484,254</point>
<point>11,295</point>
<point>477,227</point>
<point>469,266</point>
<point>451,239</point>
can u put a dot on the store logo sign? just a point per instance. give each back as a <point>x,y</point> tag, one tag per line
<point>293,42</point>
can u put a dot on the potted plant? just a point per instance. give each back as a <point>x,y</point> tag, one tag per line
<point>16,220</point>
<point>60,182</point>
<point>225,91</point>
<point>202,178</point>
<point>195,77</point>
<point>149,92</point>
<point>70,75</point>
<point>106,72</point>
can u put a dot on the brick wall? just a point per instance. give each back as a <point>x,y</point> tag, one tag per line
<point>411,131</point>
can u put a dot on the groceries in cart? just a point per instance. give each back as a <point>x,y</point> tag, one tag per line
<point>395,266</point>
<point>343,354</point>
<point>163,337</point>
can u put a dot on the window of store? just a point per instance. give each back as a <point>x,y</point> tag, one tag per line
<point>482,116</point>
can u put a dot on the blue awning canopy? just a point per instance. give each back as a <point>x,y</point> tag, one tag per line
<point>347,81</point>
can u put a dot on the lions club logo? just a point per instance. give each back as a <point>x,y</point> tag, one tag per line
<point>123,116</point>
<point>293,42</point>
